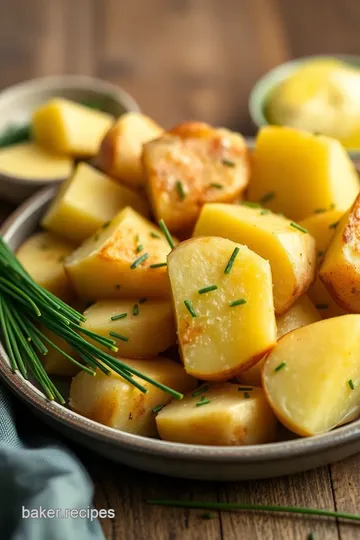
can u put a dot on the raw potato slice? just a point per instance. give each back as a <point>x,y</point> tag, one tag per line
<point>149,328</point>
<point>114,402</point>
<point>42,255</point>
<point>70,128</point>
<point>221,340</point>
<point>340,269</point>
<point>86,201</point>
<point>321,226</point>
<point>193,164</point>
<point>290,252</point>
<point>121,149</point>
<point>28,160</point>
<point>103,266</point>
<point>308,377</point>
<point>300,314</point>
<point>232,418</point>
<point>302,172</point>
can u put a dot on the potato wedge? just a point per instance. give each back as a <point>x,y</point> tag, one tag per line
<point>148,328</point>
<point>121,148</point>
<point>300,172</point>
<point>108,265</point>
<point>300,314</point>
<point>340,269</point>
<point>86,201</point>
<point>193,164</point>
<point>290,252</point>
<point>43,255</point>
<point>112,401</point>
<point>227,330</point>
<point>312,376</point>
<point>220,415</point>
<point>70,128</point>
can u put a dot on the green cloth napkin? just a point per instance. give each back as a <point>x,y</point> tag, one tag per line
<point>37,471</point>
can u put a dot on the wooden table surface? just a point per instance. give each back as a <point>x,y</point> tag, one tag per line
<point>188,59</point>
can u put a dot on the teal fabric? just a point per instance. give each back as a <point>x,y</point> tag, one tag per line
<point>37,471</point>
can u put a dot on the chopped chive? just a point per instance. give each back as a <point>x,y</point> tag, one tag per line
<point>165,230</point>
<point>245,389</point>
<point>246,395</point>
<point>267,197</point>
<point>264,212</point>
<point>203,398</point>
<point>216,185</point>
<point>117,286</point>
<point>250,204</point>
<point>334,225</point>
<point>118,336</point>
<point>190,308</point>
<point>106,224</point>
<point>322,306</point>
<point>143,300</point>
<point>298,227</point>
<point>135,310</point>
<point>351,384</point>
<point>206,515</point>
<point>154,235</point>
<point>203,402</point>
<point>280,366</point>
<point>231,260</point>
<point>239,302</point>
<point>139,260</point>
<point>200,390</point>
<point>139,248</point>
<point>180,190</point>
<point>158,408</point>
<point>208,289</point>
<point>120,316</point>
<point>319,210</point>
<point>228,162</point>
<point>158,265</point>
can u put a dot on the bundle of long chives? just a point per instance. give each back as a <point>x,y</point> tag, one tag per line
<point>23,303</point>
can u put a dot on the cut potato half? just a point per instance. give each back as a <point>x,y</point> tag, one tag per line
<point>226,330</point>
<point>219,414</point>
<point>312,376</point>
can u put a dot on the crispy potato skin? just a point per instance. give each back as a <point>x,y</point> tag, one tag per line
<point>340,269</point>
<point>210,164</point>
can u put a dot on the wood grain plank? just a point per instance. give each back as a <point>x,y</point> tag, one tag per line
<point>346,486</point>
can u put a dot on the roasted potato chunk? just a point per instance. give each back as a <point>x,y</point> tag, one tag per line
<point>193,164</point>
<point>229,327</point>
<point>290,251</point>
<point>121,149</point>
<point>296,172</point>
<point>311,377</point>
<point>42,255</point>
<point>144,330</point>
<point>112,401</point>
<point>70,128</point>
<point>300,314</point>
<point>340,269</point>
<point>86,201</point>
<point>219,415</point>
<point>117,262</point>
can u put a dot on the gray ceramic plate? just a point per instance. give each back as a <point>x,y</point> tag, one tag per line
<point>190,461</point>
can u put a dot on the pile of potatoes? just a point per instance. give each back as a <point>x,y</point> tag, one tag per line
<point>251,313</point>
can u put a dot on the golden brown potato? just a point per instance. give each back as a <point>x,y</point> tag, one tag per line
<point>190,165</point>
<point>228,328</point>
<point>121,149</point>
<point>219,414</point>
<point>312,376</point>
<point>112,401</point>
<point>340,269</point>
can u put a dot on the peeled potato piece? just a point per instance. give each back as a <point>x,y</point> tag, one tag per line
<point>300,314</point>
<point>121,149</point>
<point>112,401</point>
<point>193,164</point>
<point>148,328</point>
<point>312,376</point>
<point>220,414</point>
<point>217,338</point>
<point>86,201</point>
<point>42,256</point>
<point>290,251</point>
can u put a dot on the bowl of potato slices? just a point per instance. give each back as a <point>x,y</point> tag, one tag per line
<point>245,299</point>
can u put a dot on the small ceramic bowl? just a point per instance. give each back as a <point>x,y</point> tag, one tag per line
<point>268,83</point>
<point>18,102</point>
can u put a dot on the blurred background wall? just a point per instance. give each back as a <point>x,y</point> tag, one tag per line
<point>181,59</point>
